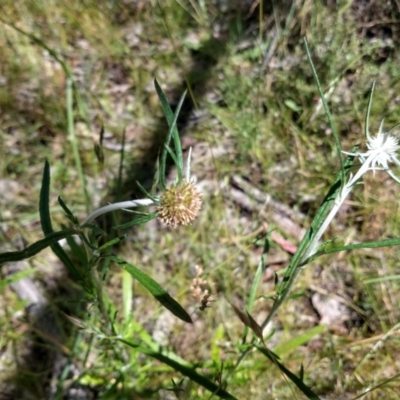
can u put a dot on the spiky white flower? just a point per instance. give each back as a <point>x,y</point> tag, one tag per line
<point>382,151</point>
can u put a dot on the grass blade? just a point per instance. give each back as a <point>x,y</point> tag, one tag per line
<point>4,282</point>
<point>325,104</point>
<point>258,275</point>
<point>365,245</point>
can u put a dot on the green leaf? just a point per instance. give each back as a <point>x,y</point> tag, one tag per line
<point>47,228</point>
<point>183,368</point>
<point>175,160</point>
<point>156,177</point>
<point>258,275</point>
<point>155,289</point>
<point>98,146</point>
<point>44,209</point>
<point>37,247</point>
<point>365,245</point>
<point>297,381</point>
<point>315,224</point>
<point>298,341</point>
<point>294,268</point>
<point>76,249</point>
<point>16,277</point>
<point>95,229</point>
<point>172,133</point>
<point>121,166</point>
<point>248,321</point>
<point>70,216</point>
<point>325,104</point>
<point>381,279</point>
<point>145,192</point>
<point>137,221</point>
<point>369,110</point>
<point>111,242</point>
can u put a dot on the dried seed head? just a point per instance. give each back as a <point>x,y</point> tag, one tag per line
<point>199,291</point>
<point>179,204</point>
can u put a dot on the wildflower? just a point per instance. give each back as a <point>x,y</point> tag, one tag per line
<point>179,204</point>
<point>382,150</point>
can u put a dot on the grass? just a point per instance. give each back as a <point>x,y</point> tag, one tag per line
<point>245,117</point>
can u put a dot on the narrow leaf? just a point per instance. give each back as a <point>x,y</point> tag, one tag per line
<point>37,247</point>
<point>45,221</point>
<point>111,242</point>
<point>248,321</point>
<point>365,245</point>
<point>176,161</point>
<point>315,224</point>
<point>325,104</point>
<point>98,145</point>
<point>76,249</point>
<point>137,221</point>
<point>184,369</point>
<point>145,192</point>
<point>155,289</point>
<point>369,111</point>
<point>294,267</point>
<point>258,275</point>
<point>70,216</point>
<point>95,229</point>
<point>173,131</point>
<point>298,341</point>
<point>297,381</point>
<point>16,277</point>
<point>121,165</point>
<point>44,209</point>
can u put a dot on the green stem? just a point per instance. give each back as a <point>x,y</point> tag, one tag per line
<point>117,206</point>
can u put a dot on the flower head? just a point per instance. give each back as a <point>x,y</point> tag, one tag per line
<point>179,204</point>
<point>382,148</point>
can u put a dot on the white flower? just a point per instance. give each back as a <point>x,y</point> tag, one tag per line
<point>382,150</point>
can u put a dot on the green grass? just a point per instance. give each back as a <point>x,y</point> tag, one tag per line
<point>254,120</point>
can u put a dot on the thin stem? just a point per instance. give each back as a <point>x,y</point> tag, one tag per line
<point>100,300</point>
<point>117,206</point>
<point>312,247</point>
<point>73,139</point>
